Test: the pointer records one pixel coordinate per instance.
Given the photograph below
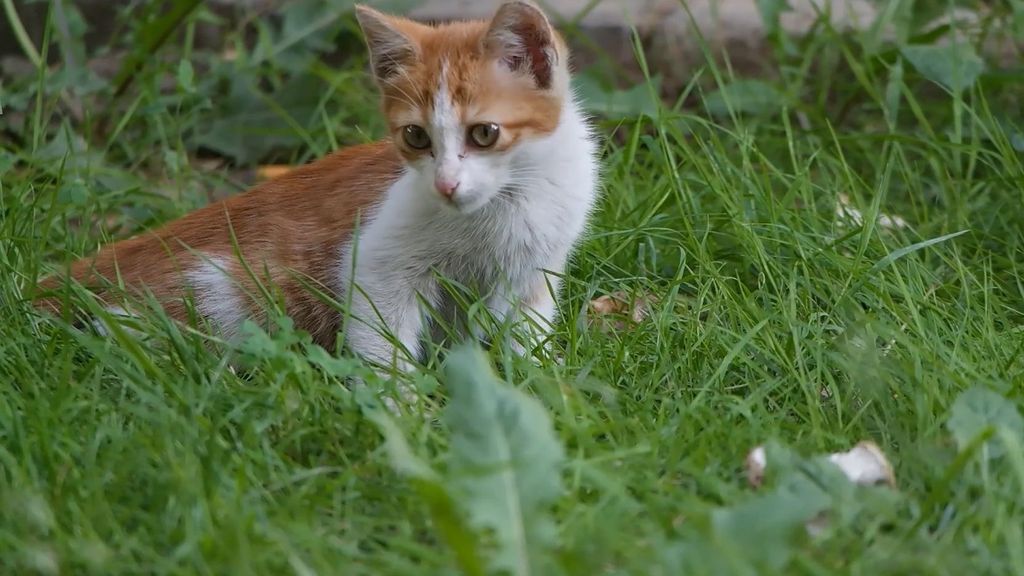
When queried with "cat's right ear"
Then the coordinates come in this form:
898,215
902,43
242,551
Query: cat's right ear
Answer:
390,48
522,39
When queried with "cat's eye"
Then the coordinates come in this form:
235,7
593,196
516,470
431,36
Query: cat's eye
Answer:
484,135
416,137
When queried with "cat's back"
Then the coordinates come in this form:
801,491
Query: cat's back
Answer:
320,197
291,221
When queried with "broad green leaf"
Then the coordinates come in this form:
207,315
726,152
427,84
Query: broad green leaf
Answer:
977,409
81,81
762,532
745,97
431,489
956,65
1017,141
74,192
68,150
7,161
505,462
308,27
337,366
150,37
617,104
246,126
186,76
771,11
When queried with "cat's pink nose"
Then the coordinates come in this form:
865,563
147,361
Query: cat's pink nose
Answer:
446,187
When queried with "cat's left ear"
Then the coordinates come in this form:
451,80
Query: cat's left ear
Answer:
522,40
390,46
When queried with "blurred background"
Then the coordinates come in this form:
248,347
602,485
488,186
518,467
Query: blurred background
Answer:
255,86
101,44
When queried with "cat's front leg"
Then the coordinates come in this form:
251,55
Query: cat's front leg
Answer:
537,312
386,324
531,313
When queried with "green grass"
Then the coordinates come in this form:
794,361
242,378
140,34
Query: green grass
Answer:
776,320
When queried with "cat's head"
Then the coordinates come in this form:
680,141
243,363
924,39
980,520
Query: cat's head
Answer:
461,99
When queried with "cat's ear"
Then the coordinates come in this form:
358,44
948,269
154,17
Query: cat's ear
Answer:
522,40
390,47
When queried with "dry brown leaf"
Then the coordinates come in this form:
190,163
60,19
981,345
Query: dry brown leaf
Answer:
756,463
864,464
207,164
608,304
271,171
846,212
617,310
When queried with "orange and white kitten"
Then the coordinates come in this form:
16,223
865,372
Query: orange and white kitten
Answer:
487,179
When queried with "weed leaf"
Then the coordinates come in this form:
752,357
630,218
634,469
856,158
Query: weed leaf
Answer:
761,531
745,97
977,409
956,66
250,124
505,462
616,104
186,77
771,12
150,37
432,491
308,27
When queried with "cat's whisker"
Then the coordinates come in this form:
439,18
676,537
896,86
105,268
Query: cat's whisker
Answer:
403,96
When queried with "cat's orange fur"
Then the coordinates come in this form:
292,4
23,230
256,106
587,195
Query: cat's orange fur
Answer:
293,225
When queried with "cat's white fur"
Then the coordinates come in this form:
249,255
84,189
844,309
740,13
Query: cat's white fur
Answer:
516,215
217,295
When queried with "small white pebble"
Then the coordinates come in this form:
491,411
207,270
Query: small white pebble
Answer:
756,462
865,464
846,211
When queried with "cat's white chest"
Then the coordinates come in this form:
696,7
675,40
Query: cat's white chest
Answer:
528,228
505,242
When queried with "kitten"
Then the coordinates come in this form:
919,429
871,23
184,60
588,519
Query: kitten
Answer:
487,179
